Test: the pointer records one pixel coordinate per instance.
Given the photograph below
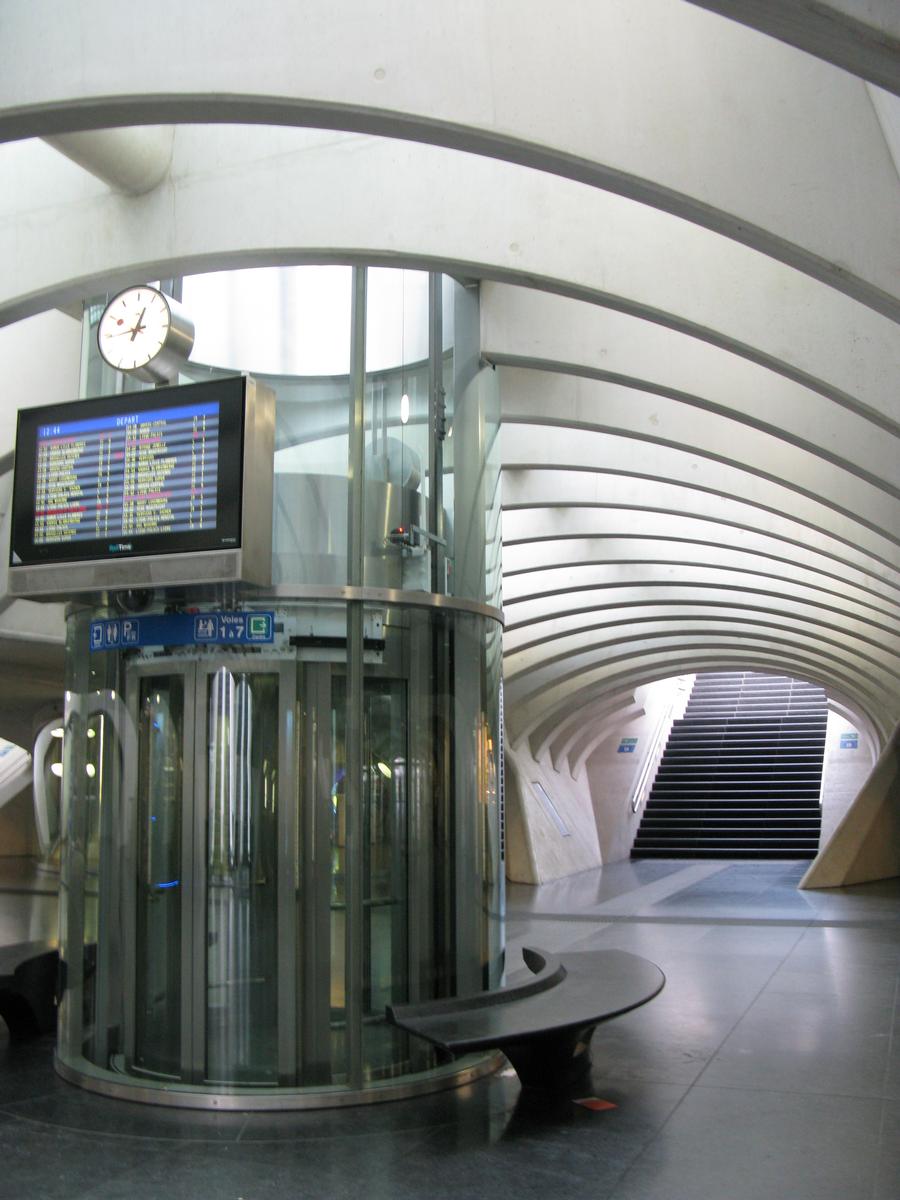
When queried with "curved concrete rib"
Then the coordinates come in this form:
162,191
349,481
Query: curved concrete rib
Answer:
130,160
524,76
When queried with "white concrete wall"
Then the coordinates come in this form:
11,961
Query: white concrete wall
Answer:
844,771
866,844
39,359
536,849
612,772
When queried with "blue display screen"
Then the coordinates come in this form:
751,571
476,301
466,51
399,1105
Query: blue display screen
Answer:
149,473
127,475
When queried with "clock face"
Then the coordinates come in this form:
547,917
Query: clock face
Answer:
134,328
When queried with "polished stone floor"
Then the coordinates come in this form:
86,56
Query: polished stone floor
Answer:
768,1069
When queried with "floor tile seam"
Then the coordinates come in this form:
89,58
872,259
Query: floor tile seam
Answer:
694,1083
869,1097
58,1127
747,1009
876,1174
645,1149
7,1106
887,1101
892,924
406,1133
895,1009
307,1140
642,1151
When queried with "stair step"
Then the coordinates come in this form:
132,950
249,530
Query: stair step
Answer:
684,768
784,702
752,843
734,852
703,751
708,731
752,724
777,788
741,773
674,806
726,821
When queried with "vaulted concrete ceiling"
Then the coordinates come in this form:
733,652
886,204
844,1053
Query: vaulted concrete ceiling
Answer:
688,236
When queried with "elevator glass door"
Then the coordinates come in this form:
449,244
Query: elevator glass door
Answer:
251,958
385,959
352,963
202,954
241,847
159,907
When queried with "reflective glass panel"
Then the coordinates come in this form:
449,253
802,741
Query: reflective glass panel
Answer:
385,961
157,1047
242,910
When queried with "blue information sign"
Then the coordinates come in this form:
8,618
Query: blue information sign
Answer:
627,746
184,629
850,741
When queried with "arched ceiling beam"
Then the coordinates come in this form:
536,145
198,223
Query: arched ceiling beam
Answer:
836,657
544,536
512,75
817,494
527,557
534,675
543,715
599,720
843,642
597,584
543,577
802,616
562,734
857,35
533,511
546,732
557,636
523,327
552,400
532,613
65,241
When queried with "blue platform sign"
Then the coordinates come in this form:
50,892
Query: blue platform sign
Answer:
850,740
627,746
184,629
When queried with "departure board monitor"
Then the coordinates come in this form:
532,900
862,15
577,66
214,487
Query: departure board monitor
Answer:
143,488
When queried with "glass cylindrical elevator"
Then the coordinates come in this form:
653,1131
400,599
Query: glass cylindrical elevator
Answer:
263,846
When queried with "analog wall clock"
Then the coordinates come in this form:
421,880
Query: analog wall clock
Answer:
146,333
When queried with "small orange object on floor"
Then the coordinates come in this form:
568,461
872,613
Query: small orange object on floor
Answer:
595,1104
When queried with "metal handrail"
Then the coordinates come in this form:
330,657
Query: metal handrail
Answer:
659,739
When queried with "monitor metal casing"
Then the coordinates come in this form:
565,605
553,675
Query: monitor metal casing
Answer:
250,562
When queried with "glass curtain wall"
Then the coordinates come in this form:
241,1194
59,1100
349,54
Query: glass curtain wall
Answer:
263,848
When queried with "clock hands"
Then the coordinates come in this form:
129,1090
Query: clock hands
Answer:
133,331
139,327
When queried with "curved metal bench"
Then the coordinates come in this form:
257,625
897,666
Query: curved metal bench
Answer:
544,1024
28,978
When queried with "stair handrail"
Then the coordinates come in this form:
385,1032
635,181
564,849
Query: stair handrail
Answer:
673,710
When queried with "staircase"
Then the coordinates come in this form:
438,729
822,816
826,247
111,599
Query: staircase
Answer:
741,772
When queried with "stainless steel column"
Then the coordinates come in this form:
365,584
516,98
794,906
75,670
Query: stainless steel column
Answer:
354,882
